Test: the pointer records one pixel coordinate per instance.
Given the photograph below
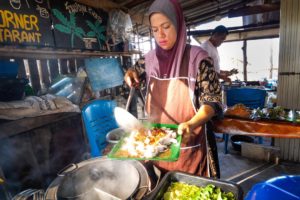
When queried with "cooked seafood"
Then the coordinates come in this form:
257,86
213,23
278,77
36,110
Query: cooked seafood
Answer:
238,110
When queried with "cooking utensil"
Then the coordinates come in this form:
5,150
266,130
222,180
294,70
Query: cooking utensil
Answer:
34,194
133,91
126,120
106,180
176,176
105,195
115,135
143,187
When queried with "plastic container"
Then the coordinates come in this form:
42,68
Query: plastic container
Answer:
8,69
69,87
12,89
174,176
282,187
251,97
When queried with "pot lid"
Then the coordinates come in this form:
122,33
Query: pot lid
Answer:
107,179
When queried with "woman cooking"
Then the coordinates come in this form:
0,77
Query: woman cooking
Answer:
183,89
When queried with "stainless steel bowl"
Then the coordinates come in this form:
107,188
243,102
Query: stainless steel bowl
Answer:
115,135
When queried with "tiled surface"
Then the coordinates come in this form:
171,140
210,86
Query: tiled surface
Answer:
248,172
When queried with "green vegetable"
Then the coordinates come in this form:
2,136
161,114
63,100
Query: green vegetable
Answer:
183,191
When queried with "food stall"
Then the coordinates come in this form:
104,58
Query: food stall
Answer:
56,46
263,128
284,130
43,84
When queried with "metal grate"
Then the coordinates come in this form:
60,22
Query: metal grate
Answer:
289,60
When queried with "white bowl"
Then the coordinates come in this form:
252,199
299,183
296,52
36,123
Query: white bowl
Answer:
115,135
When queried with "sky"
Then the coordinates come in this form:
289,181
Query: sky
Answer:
259,53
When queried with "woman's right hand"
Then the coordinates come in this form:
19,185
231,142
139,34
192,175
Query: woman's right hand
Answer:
184,128
132,78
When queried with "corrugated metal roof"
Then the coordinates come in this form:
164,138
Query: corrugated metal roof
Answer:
195,11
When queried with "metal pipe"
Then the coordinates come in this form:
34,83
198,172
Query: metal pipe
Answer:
7,195
245,60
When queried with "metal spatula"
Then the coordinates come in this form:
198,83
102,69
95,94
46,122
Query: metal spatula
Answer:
126,120
133,91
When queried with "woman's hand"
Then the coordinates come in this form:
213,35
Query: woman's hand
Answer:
132,78
205,113
184,128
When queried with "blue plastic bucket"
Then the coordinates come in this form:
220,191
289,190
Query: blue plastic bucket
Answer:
281,188
8,69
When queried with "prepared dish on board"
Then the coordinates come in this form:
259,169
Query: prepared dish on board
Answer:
238,110
155,143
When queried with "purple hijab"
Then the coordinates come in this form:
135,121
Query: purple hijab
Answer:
166,63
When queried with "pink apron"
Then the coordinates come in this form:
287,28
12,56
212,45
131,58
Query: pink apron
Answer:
168,101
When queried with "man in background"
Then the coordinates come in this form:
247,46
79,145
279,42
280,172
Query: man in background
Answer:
217,37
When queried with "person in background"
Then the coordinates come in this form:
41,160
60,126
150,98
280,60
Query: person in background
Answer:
139,66
218,36
182,88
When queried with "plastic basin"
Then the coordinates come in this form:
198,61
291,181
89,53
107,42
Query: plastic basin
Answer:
236,141
174,176
282,187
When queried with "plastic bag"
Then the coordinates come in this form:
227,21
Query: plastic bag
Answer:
120,26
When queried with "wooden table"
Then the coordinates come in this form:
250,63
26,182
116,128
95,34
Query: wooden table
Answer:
9,128
261,128
264,128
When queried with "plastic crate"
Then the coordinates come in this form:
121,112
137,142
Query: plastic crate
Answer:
12,89
282,187
175,176
8,69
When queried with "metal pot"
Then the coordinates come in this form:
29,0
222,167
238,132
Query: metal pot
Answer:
30,194
100,178
115,135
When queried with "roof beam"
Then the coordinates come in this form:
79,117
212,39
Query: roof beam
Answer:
194,20
103,4
240,35
251,10
126,2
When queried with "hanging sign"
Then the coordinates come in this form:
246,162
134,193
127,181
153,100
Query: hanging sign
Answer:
78,26
25,22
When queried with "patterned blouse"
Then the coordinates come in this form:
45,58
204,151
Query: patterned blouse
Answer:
208,91
208,88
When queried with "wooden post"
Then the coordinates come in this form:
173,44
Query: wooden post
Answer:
41,77
189,36
138,38
244,48
34,73
271,63
150,39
